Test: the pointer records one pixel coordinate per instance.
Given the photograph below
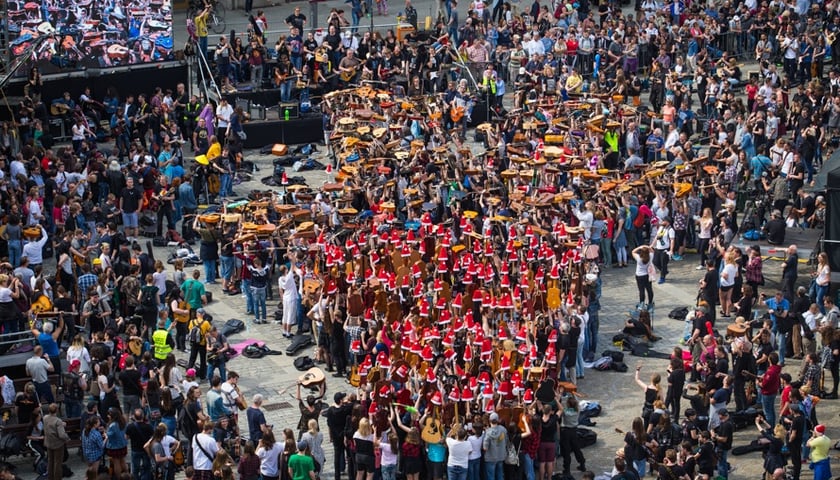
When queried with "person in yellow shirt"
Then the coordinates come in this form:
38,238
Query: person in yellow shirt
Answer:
819,445
200,21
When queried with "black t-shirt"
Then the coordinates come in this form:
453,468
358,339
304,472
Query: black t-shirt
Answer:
710,291
809,204
130,199
706,460
671,472
797,427
725,429
699,323
549,428
775,231
138,434
796,183
130,381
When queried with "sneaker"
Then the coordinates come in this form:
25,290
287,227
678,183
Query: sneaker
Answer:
677,258
277,322
699,267
661,281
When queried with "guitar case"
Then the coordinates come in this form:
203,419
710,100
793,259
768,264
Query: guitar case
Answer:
299,342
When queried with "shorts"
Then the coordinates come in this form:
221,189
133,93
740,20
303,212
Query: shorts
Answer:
547,452
116,452
129,220
227,267
203,475
726,289
366,463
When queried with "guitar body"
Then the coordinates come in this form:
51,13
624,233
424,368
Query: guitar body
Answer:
347,75
178,457
457,113
355,379
432,432
313,376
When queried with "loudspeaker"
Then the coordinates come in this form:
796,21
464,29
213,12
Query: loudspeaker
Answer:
257,111
292,108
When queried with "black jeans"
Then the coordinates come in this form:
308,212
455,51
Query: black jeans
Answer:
201,351
181,335
569,443
339,458
660,261
644,285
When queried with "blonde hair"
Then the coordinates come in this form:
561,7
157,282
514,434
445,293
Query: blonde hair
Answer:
313,426
364,427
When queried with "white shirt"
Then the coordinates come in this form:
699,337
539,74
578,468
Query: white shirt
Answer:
35,214
459,452
34,251
268,459
229,396
475,443
223,113
15,169
727,276
200,460
287,284
663,238
641,268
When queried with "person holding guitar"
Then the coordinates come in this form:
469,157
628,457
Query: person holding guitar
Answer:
348,67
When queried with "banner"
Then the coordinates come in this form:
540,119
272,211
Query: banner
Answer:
91,33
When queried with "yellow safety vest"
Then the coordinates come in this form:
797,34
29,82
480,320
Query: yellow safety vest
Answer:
162,349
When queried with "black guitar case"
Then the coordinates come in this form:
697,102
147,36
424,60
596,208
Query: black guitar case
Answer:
299,342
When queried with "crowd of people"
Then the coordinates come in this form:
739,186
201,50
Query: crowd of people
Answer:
457,291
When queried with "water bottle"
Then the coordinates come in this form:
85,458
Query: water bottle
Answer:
286,114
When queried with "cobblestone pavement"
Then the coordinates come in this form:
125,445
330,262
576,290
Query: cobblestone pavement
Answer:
619,396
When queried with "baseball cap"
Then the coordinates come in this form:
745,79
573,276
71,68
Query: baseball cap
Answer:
494,417
339,396
302,445
75,363
190,372
723,412
200,311
348,34
820,429
690,412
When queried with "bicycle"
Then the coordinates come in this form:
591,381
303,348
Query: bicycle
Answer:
216,19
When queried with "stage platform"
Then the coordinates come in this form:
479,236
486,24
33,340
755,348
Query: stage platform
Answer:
308,128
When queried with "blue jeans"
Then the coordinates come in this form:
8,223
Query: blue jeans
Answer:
494,470
474,469
222,372
455,472
579,363
781,348
768,405
527,464
141,466
723,465
73,408
249,297
15,250
210,270
285,91
258,302
225,186
641,467
822,291
389,472
227,267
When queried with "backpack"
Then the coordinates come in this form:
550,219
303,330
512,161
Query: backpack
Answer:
10,445
195,331
678,313
304,363
72,389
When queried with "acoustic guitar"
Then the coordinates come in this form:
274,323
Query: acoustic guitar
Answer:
432,431
311,377
348,73
355,379
457,113
58,109
178,457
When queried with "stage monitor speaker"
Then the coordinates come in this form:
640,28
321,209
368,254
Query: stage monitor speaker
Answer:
244,103
292,109
257,111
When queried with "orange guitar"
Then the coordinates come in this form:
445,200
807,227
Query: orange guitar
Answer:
457,113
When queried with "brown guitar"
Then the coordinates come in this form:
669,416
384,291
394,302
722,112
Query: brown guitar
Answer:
457,113
58,109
